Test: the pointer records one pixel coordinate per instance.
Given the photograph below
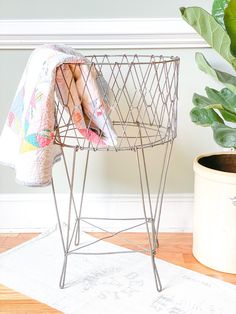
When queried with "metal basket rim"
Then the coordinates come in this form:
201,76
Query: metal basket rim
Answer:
166,59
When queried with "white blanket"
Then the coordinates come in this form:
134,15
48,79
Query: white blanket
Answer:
27,139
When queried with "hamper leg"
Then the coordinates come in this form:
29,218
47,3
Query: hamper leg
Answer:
67,237
77,233
151,234
162,182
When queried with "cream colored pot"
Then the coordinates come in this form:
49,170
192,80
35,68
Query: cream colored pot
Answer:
214,233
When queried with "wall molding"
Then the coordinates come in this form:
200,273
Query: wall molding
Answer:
36,213
100,33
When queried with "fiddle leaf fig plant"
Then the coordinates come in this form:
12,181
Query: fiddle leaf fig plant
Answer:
216,109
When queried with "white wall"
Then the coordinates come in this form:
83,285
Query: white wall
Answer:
116,173
77,9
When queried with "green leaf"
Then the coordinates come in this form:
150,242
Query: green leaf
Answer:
218,8
218,97
204,117
210,30
224,101
201,101
227,79
229,96
230,24
224,135
228,116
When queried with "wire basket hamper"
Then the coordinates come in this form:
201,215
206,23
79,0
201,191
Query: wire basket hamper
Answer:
142,93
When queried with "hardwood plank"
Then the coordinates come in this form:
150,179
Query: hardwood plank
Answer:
13,239
24,306
14,302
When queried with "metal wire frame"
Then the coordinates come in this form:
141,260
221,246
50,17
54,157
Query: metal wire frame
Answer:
152,125
141,92
151,214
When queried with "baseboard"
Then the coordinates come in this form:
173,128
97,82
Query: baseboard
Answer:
36,213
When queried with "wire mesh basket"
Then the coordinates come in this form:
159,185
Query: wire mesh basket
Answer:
115,103
139,100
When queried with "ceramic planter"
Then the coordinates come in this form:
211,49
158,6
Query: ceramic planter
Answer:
214,232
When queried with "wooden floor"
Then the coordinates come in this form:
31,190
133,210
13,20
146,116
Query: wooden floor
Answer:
174,248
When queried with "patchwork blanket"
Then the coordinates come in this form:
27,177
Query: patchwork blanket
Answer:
27,139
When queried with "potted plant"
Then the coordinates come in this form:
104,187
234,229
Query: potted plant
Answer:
214,232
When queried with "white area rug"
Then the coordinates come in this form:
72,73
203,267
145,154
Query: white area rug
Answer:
110,284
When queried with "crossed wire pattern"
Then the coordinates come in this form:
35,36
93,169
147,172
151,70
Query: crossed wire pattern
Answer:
140,97
141,93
